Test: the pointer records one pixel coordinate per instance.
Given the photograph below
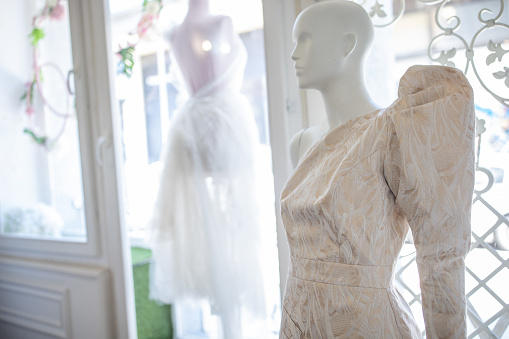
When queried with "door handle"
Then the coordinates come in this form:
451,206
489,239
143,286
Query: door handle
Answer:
101,141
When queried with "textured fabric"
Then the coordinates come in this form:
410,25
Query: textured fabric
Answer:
348,206
204,231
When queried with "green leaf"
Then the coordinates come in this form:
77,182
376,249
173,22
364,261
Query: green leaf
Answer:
24,96
41,140
32,87
127,63
36,35
146,2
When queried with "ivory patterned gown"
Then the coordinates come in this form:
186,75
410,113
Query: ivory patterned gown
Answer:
348,206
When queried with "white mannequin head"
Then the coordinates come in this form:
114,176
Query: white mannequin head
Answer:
332,40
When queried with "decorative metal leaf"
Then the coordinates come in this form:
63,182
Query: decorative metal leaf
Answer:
503,74
491,45
500,75
479,126
445,56
377,10
451,53
498,52
491,59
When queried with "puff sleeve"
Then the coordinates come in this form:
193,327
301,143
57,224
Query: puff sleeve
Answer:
429,167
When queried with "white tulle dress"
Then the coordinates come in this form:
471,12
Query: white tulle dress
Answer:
204,231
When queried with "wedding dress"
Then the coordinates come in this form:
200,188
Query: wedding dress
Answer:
348,206
204,232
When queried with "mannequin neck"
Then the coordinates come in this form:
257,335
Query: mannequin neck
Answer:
347,98
199,7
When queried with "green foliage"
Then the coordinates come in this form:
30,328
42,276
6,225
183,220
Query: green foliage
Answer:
127,63
146,2
41,140
24,96
36,35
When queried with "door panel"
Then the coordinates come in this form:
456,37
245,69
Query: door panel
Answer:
63,286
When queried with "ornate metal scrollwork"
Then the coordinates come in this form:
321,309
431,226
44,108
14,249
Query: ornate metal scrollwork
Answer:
378,12
497,51
377,9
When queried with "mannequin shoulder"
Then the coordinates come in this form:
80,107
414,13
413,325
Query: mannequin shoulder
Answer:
216,23
223,20
223,25
303,140
211,24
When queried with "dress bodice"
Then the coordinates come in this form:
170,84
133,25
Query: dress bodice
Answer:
206,50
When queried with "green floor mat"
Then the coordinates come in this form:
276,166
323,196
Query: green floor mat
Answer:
153,320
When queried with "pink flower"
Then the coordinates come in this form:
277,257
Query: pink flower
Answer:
58,12
30,110
39,21
145,24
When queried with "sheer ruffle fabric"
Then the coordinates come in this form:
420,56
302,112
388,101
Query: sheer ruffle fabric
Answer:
348,206
204,232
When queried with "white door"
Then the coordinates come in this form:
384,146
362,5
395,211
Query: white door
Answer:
64,260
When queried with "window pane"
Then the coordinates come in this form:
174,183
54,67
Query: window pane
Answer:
41,191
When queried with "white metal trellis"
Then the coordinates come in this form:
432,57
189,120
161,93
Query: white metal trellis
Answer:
497,324
485,58
496,48
381,18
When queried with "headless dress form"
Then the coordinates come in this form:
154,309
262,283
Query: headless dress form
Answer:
204,230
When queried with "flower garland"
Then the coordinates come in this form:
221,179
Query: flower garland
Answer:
52,11
146,24
55,11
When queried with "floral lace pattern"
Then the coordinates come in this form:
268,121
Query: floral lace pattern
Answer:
348,206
